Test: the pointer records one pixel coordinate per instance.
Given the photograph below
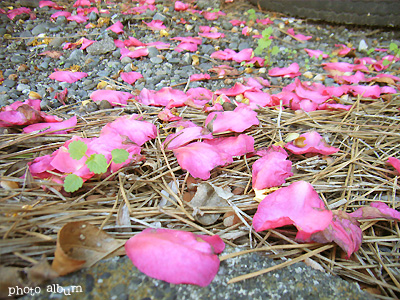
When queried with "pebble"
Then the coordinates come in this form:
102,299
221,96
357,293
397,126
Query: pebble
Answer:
23,88
38,29
156,60
153,51
102,47
8,83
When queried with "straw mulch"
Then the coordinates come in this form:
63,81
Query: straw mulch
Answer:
354,177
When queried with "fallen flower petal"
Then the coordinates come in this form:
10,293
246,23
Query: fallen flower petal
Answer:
67,76
155,25
186,135
130,77
117,27
297,204
196,77
175,256
395,162
138,52
271,169
316,53
70,123
376,210
291,71
180,6
113,97
310,142
167,116
234,145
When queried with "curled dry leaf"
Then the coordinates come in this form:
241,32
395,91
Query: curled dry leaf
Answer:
208,195
81,245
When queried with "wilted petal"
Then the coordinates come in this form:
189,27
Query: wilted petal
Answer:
297,204
70,123
260,99
291,71
186,46
310,142
237,89
237,120
271,169
344,230
175,256
155,25
137,131
180,6
376,210
371,91
130,77
117,27
199,159
186,135
67,76
167,116
113,97
243,55
395,162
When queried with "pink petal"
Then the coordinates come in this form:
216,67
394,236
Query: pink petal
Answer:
343,230
155,25
223,55
237,89
65,14
212,35
212,15
243,55
234,145
159,45
130,77
67,76
167,96
133,42
339,66
51,4
237,22
86,43
199,159
188,39
137,131
265,21
309,92
316,53
77,18
271,169
167,116
185,136
300,37
186,46
138,52
117,27
395,163
260,99
238,120
371,91
82,3
297,204
70,123
291,71
313,143
12,13
196,77
376,210
113,97
174,256
180,6
334,106
41,165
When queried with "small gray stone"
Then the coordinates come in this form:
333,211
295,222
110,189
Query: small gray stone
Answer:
244,45
38,29
57,42
23,87
226,25
76,55
126,60
156,60
4,99
207,49
93,16
44,104
128,68
104,104
18,59
61,20
159,17
102,47
153,51
3,31
187,58
8,83
103,73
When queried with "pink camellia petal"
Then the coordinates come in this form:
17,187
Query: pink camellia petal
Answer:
237,120
82,3
117,27
186,46
339,66
67,76
234,145
237,22
185,136
334,106
316,53
300,37
40,165
212,15
376,210
86,43
167,116
65,14
113,97
237,89
70,123
395,163
260,99
212,35
291,71
155,25
159,45
12,13
196,77
51,4
343,51
133,42
344,230
309,92
371,91
175,256
130,77
265,21
199,159
297,204
243,55
310,142
78,18
180,6
167,96
356,78
271,169
137,131
138,52
188,39
223,55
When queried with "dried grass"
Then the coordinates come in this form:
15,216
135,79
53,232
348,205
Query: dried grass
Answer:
354,177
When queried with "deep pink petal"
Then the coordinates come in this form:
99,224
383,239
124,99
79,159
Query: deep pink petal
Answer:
167,116
180,6
155,25
185,136
78,18
395,162
70,123
234,145
117,27
237,89
67,76
260,99
113,97
313,143
271,169
130,77
138,52
316,53
202,76
174,256
291,71
238,120
297,204
371,91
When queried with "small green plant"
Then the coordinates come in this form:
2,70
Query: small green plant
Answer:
264,45
252,14
396,51
97,163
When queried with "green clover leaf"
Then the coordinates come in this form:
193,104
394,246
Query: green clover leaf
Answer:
97,163
77,149
72,183
119,155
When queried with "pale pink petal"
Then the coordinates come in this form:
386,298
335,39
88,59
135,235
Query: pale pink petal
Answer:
265,21
180,6
223,55
86,43
113,97
167,116
344,50
212,15
271,169
237,120
78,18
313,143
237,22
309,92
117,27
376,210
174,256
212,35
137,131
339,66
291,71
159,45
234,145
155,25
300,37
202,76
316,53
130,77
188,39
67,76
138,52
167,96
186,136
344,230
297,204
70,123
237,89
395,163
82,3
356,78
260,99
371,91
256,82
41,165
243,55
133,42
199,159
186,46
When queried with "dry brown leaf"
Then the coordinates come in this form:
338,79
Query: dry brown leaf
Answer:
81,245
9,185
52,54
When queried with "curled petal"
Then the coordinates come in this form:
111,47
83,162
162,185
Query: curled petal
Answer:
376,210
395,162
70,123
310,142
